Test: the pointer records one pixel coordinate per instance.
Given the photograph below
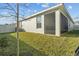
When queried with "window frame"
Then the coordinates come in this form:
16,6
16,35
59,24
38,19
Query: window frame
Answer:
39,22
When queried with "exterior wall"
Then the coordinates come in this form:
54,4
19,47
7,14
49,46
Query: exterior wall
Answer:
30,25
7,28
57,23
76,26
70,25
49,23
70,21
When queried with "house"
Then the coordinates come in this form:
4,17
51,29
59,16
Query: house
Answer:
54,20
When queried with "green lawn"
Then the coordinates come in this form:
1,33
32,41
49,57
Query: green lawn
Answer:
38,44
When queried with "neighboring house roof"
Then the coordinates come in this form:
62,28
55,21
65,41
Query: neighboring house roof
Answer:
59,6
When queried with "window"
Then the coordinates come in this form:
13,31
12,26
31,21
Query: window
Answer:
38,22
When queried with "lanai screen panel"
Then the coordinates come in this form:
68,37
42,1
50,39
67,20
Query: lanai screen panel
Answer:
49,21
64,23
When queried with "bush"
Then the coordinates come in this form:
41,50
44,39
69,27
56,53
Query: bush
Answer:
3,42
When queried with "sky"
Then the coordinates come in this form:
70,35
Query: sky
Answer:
32,8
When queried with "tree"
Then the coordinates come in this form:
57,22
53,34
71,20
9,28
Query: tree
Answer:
17,29
14,13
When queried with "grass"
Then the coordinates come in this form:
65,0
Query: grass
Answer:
11,48
37,44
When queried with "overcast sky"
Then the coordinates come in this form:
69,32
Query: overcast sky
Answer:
32,8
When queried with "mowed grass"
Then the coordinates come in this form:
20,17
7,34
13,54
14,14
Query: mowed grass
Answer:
11,49
34,44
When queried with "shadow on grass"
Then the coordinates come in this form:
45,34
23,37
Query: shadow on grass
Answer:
74,33
77,51
10,49
25,49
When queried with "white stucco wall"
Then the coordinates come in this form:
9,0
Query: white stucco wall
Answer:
30,25
57,23
76,26
67,15
7,28
70,25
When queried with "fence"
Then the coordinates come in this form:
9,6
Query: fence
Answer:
7,28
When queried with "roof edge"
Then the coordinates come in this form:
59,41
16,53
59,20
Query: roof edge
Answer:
68,14
42,11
